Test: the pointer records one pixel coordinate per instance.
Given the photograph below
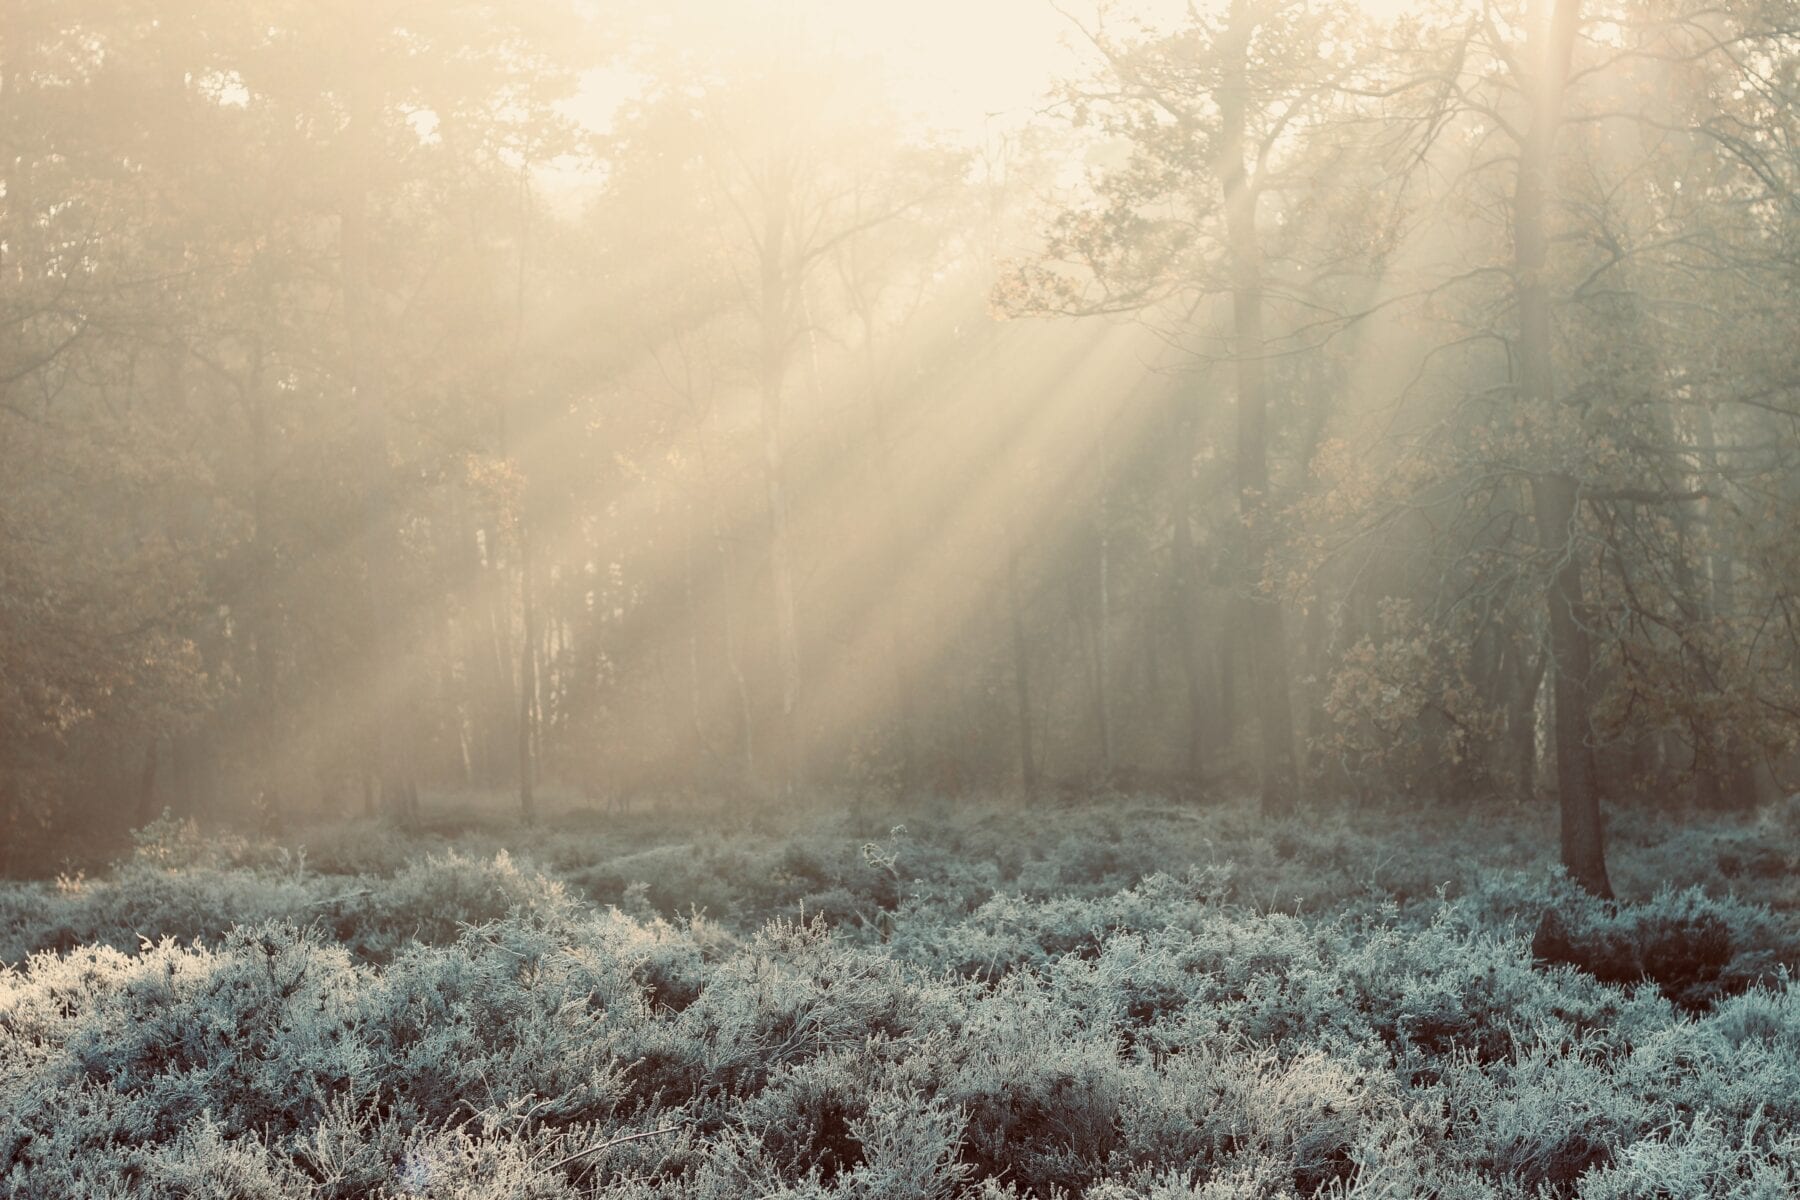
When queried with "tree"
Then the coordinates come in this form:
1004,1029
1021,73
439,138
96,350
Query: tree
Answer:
798,163
1543,76
1210,120
1614,259
408,92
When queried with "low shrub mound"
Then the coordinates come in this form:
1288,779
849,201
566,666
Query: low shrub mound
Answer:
1694,949
1156,1020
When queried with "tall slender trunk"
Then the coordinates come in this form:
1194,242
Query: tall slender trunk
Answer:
446,729
1092,635
1315,639
1315,629
1555,495
734,659
1696,602
1227,658
1015,607
781,580
146,796
528,678
9,821
1186,577
479,673
776,321
501,699
263,606
690,605
381,542
734,663
528,648
1735,785
1097,656
542,697
1268,636
16,214
898,630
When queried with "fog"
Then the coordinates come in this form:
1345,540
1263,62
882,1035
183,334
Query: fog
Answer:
745,401
1137,599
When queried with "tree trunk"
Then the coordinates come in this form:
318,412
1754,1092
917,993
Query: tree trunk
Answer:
1695,600
777,307
1315,638
16,216
899,639
690,605
1015,605
734,665
1268,636
381,542
1102,620
1093,637
1227,656
9,822
528,648
734,660
1735,779
146,796
528,679
263,607
1555,496
1316,632
471,576
500,729
1526,674
1186,574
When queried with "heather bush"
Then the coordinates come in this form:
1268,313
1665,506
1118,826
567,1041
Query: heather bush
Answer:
869,1012
143,902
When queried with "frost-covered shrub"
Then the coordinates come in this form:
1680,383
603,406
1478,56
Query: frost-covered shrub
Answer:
177,843
1301,1121
909,1143
793,994
1694,947
203,1163
433,900
365,848
142,903
430,901
1543,1120
805,1120
1225,1009
1043,1108
251,1039
1703,1157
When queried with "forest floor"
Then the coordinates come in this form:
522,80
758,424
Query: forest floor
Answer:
1116,998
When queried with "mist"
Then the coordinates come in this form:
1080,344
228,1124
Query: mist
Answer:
946,494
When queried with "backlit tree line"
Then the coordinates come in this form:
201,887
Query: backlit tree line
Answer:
1307,402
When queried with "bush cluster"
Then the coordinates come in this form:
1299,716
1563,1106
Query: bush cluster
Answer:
1085,1017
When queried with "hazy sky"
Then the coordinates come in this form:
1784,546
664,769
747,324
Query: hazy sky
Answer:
959,60
965,66
954,61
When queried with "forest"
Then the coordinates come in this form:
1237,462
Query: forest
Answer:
1136,599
